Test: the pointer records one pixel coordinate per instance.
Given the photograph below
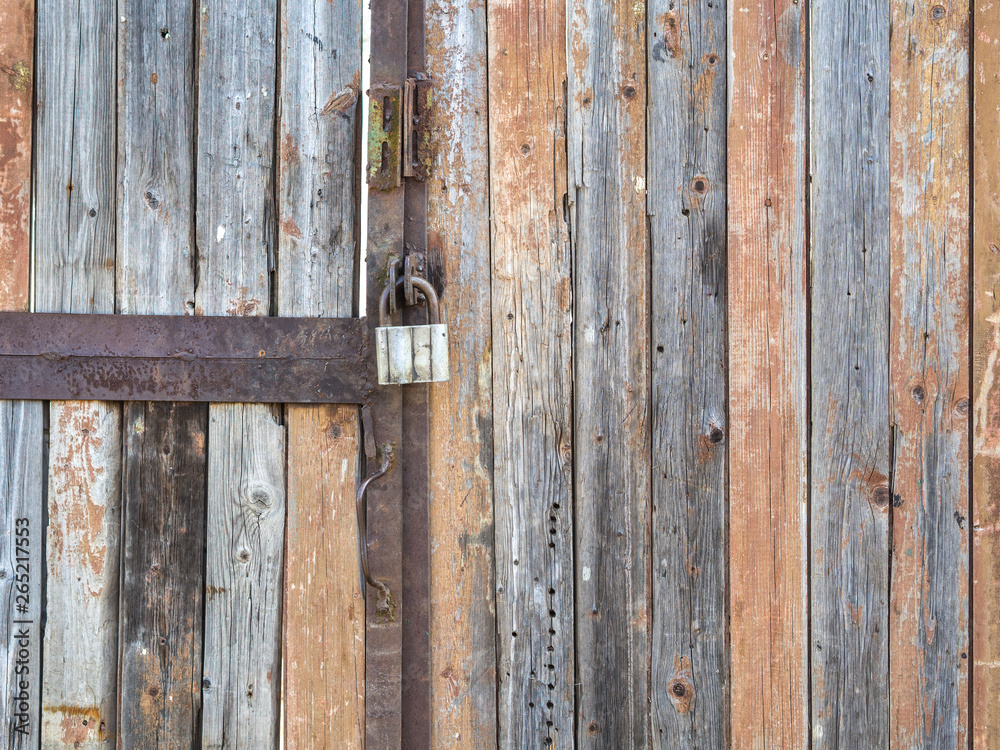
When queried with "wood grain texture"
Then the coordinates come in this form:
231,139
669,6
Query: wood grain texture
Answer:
75,197
163,564
460,444
17,21
236,240
243,585
156,120
929,366
80,688
612,503
164,466
532,304
21,531
324,622
22,561
324,642
767,386
851,439
687,220
985,79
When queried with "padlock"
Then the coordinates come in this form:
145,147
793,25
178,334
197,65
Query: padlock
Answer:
411,354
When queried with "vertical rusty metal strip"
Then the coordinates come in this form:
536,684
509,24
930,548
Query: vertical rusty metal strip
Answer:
384,632
416,551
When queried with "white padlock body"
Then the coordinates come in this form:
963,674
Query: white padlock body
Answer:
412,354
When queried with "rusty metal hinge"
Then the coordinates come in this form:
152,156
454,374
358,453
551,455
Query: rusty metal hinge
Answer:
399,132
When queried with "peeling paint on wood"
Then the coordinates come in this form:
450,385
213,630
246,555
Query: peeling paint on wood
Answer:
985,526
767,365
75,272
460,445
929,366
686,202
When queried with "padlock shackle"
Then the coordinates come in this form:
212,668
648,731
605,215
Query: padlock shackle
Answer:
424,286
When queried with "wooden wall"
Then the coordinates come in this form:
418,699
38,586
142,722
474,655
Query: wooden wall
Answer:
720,279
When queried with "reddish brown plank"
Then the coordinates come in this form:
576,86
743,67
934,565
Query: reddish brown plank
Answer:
986,366
767,385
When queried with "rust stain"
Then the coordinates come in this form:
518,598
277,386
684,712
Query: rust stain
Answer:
290,153
289,227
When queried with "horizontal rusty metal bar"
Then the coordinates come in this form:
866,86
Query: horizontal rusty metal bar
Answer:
181,358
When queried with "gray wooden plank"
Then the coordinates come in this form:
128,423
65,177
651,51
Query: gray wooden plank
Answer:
687,207
74,271
21,570
460,446
532,303
851,438
164,464
612,502
236,237
323,657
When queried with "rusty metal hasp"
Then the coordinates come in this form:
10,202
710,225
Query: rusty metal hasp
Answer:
181,358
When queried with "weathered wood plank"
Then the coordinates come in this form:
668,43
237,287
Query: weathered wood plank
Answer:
17,21
324,644
75,272
928,350
612,504
687,207
767,386
985,352
164,466
532,309
22,559
163,554
324,622
851,439
244,535
21,532
462,590
246,490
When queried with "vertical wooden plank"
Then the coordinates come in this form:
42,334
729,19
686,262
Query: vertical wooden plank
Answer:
324,654
986,349
163,492
244,536
17,19
324,615
929,339
163,554
612,504
235,231
21,533
687,208
851,439
767,387
75,272
22,558
462,613
532,310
